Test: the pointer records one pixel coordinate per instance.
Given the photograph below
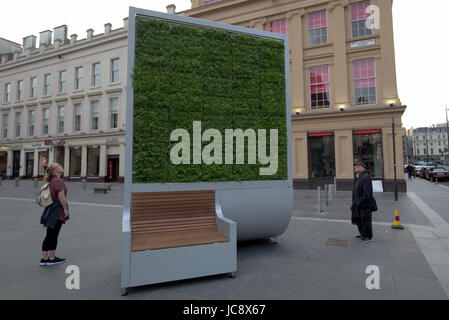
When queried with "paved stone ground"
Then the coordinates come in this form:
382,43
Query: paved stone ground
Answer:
299,266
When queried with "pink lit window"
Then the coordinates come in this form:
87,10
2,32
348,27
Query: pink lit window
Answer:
365,82
359,16
317,28
278,26
319,87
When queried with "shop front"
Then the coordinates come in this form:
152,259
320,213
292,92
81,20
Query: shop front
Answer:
3,163
16,164
368,149
75,162
113,168
29,164
93,163
42,162
327,145
321,158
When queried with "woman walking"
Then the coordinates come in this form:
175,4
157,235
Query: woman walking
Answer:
58,192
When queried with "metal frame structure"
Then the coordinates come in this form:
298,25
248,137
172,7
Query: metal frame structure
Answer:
260,209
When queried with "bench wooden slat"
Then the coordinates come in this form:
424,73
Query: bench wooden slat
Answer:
141,243
161,220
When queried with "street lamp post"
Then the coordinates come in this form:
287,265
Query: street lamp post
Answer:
427,148
447,130
396,198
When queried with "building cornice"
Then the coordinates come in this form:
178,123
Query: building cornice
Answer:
267,11
349,112
15,141
53,53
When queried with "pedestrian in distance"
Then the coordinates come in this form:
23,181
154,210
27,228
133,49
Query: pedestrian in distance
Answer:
55,215
44,165
363,202
410,170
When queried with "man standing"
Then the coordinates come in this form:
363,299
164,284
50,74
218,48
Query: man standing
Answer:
363,203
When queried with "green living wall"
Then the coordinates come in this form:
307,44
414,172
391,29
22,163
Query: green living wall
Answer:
227,81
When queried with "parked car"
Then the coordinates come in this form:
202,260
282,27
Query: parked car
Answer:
438,173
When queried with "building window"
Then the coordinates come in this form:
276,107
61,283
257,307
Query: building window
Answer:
5,126
368,149
317,28
47,84
31,119
115,70
365,82
7,93
79,78
62,81
61,111
359,16
33,87
45,118
75,162
113,113
19,90
93,161
319,87
279,26
94,115
322,155
77,117
18,120
96,74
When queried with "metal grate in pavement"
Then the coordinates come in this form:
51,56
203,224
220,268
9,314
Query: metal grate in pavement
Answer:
337,243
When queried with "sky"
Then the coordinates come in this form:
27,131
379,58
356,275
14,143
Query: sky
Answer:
421,42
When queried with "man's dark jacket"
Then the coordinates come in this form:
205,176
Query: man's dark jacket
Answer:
362,196
50,216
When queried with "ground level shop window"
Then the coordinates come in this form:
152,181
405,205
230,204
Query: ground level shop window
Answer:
321,155
93,161
368,149
75,162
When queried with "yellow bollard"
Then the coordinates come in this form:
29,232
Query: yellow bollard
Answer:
397,221
436,180
431,179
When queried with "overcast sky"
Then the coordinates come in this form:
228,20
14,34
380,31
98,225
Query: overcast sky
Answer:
421,42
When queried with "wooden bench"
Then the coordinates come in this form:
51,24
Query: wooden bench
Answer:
102,187
161,220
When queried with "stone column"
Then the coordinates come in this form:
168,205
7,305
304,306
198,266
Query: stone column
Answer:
103,161
344,154
390,89
196,3
22,163
122,160
258,24
51,155
300,158
295,32
340,78
9,165
36,164
83,162
66,161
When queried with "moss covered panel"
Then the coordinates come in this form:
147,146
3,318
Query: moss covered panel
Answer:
184,74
